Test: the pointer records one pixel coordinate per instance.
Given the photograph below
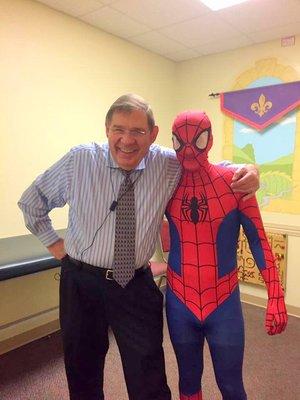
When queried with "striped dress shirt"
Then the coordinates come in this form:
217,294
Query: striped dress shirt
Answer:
88,180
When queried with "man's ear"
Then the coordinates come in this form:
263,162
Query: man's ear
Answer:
154,133
106,130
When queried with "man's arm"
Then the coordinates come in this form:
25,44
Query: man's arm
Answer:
48,191
276,314
245,178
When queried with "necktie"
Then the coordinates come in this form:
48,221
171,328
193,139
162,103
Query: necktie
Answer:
124,251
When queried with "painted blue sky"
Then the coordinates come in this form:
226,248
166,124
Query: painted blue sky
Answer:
274,142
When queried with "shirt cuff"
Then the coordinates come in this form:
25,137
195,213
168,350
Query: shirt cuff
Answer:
48,238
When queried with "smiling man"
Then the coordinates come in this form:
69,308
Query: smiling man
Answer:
130,135
95,180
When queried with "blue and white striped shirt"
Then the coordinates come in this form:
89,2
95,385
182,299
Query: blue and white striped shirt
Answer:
88,180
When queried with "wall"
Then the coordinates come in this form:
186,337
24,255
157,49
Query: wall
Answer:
196,79
58,76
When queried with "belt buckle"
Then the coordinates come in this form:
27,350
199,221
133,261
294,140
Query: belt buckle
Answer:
109,275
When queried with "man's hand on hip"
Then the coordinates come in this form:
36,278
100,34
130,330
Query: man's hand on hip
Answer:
57,249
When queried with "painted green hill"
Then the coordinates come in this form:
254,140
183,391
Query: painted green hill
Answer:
283,164
244,155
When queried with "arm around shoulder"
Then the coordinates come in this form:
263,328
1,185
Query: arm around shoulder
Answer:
246,180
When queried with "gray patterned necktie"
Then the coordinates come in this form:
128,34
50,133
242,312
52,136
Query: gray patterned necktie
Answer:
124,251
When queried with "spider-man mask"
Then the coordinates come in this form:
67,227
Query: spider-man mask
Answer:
192,139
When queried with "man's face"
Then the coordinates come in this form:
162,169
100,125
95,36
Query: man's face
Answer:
129,138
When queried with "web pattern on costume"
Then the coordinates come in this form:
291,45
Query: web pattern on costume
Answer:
205,217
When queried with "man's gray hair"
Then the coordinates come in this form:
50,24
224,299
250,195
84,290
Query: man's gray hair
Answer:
128,103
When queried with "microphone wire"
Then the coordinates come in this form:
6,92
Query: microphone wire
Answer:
112,208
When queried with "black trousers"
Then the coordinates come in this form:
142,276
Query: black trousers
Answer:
89,304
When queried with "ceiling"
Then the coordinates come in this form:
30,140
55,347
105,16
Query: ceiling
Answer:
185,29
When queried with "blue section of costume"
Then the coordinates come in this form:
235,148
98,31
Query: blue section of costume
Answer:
174,259
254,241
224,332
227,238
187,339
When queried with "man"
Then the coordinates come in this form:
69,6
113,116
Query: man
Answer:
90,179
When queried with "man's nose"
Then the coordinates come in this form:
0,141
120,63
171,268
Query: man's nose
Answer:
128,138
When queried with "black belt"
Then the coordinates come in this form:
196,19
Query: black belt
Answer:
105,272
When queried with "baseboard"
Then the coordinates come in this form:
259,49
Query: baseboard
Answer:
260,302
281,228
28,336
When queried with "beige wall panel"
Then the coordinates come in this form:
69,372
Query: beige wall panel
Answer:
28,296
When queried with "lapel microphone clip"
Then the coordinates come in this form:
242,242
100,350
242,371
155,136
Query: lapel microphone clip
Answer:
113,205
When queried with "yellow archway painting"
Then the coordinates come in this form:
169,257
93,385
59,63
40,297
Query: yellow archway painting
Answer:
276,150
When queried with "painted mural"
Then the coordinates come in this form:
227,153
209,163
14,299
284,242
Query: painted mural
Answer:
276,149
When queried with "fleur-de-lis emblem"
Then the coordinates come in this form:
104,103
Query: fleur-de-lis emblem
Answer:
262,106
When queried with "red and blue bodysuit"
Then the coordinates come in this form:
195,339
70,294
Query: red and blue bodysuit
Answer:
203,301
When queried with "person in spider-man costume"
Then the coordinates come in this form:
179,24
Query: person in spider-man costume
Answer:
202,299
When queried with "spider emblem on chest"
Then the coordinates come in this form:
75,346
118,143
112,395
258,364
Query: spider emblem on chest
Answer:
194,209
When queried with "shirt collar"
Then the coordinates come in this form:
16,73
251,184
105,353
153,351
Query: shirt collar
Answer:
110,163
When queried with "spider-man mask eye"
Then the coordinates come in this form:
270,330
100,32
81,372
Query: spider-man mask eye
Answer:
202,139
177,143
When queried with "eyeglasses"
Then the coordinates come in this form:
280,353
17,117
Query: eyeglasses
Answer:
131,132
